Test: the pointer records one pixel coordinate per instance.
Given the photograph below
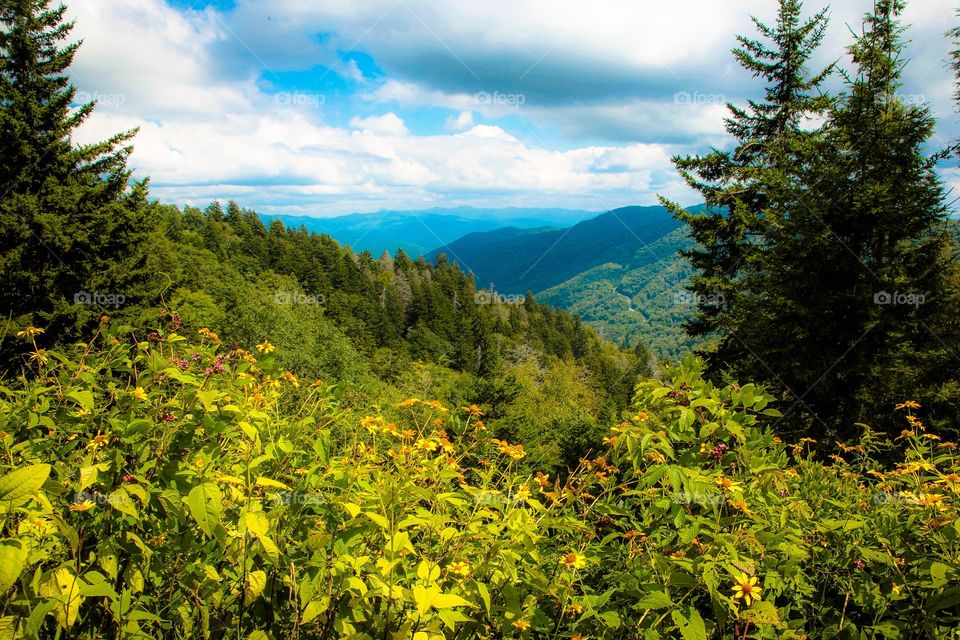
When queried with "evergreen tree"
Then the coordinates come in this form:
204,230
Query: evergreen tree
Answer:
860,268
850,273
68,222
731,181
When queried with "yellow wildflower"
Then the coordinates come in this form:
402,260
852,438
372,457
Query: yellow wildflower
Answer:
522,625
29,332
98,441
460,568
206,333
573,560
427,445
746,588
909,404
657,457
140,394
523,494
473,410
265,347
727,484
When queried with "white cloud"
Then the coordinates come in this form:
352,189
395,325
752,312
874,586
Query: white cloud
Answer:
389,124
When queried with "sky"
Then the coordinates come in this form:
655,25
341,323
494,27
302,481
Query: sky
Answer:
327,107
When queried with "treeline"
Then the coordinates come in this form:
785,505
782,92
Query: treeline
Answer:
411,308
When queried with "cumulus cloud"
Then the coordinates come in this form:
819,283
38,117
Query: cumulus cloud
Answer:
389,124
526,102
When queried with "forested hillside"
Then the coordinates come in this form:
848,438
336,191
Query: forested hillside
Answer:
517,261
644,300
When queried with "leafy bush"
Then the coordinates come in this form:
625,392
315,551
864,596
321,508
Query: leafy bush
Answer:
169,487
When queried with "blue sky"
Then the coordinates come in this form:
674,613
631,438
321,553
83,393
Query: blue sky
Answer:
329,107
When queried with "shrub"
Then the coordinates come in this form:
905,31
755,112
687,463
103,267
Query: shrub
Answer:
166,487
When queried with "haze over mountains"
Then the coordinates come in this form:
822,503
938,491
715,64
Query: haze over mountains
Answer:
419,232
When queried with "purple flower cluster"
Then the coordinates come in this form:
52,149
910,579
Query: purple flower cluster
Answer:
718,450
217,366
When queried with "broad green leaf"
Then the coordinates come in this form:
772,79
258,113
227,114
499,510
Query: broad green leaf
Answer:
83,397
256,523
206,506
123,502
63,587
762,612
88,475
8,628
271,484
269,548
256,583
655,600
379,519
13,558
428,571
23,483
692,629
432,597
313,609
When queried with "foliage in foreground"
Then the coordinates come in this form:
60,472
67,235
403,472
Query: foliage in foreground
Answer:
159,489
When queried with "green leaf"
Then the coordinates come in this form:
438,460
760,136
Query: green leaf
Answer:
269,548
84,398
88,475
655,600
23,483
206,505
610,619
63,587
123,502
484,595
256,523
428,571
13,558
256,583
312,610
763,612
692,629
379,519
938,572
271,484
431,597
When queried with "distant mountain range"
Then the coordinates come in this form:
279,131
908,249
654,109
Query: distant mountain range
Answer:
517,260
417,232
